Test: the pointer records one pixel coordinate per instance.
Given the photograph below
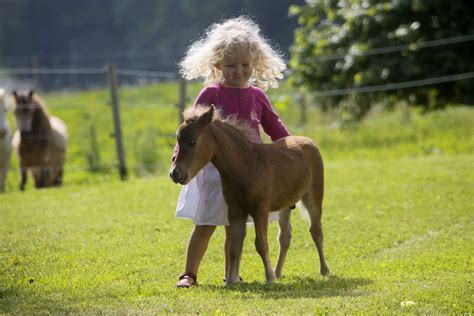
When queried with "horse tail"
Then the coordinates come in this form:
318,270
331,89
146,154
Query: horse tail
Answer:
316,165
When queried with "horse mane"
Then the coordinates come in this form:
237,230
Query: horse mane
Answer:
192,114
39,101
241,125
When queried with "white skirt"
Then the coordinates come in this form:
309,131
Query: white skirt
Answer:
202,201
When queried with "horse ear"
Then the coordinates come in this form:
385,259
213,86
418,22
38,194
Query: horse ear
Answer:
206,118
30,94
15,94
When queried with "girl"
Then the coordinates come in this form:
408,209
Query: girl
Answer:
237,63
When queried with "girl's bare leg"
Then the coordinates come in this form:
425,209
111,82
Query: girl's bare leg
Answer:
197,247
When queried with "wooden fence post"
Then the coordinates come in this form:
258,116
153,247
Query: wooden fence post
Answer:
303,108
111,78
182,98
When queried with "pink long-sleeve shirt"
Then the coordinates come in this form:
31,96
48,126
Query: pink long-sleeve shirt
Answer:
250,104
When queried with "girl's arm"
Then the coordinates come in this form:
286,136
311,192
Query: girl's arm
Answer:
271,123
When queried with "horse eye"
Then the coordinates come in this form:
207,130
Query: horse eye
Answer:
192,142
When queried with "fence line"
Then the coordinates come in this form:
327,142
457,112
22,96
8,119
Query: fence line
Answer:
63,106
399,48
111,74
151,54
394,86
319,94
146,73
87,71
114,102
52,71
182,92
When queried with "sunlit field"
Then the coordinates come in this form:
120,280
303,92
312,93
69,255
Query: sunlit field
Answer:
398,219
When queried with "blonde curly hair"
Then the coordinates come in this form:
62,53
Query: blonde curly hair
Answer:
219,40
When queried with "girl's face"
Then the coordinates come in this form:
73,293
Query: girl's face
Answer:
236,68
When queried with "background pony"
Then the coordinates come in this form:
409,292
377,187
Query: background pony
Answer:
40,141
5,141
256,179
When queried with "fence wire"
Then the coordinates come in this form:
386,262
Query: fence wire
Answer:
317,94
173,76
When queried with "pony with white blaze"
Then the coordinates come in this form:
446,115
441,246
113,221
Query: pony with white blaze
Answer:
5,141
40,141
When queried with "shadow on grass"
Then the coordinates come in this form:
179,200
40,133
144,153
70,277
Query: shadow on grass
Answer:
15,301
300,287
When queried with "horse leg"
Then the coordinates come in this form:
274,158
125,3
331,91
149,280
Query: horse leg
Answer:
313,203
37,177
45,177
58,180
40,175
57,169
23,177
284,237
261,244
3,177
237,236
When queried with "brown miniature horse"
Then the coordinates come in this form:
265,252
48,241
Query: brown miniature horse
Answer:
256,179
40,142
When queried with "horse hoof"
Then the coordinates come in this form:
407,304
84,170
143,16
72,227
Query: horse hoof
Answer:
271,278
270,282
325,271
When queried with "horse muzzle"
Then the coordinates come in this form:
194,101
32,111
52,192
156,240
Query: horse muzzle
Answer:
25,134
178,175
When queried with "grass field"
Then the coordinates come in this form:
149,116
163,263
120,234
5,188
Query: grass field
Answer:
398,224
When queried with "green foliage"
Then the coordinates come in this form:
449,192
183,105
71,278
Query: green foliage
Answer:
334,36
146,151
90,146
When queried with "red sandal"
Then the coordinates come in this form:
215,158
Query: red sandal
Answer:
185,278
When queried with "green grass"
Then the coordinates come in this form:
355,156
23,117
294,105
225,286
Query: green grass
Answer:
398,221
150,117
395,231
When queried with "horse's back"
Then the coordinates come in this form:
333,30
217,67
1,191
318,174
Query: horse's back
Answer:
306,154
298,144
59,133
288,165
295,142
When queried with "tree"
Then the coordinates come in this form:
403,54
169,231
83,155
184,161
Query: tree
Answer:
343,44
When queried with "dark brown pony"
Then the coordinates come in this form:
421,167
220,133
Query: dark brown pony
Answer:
40,142
256,179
